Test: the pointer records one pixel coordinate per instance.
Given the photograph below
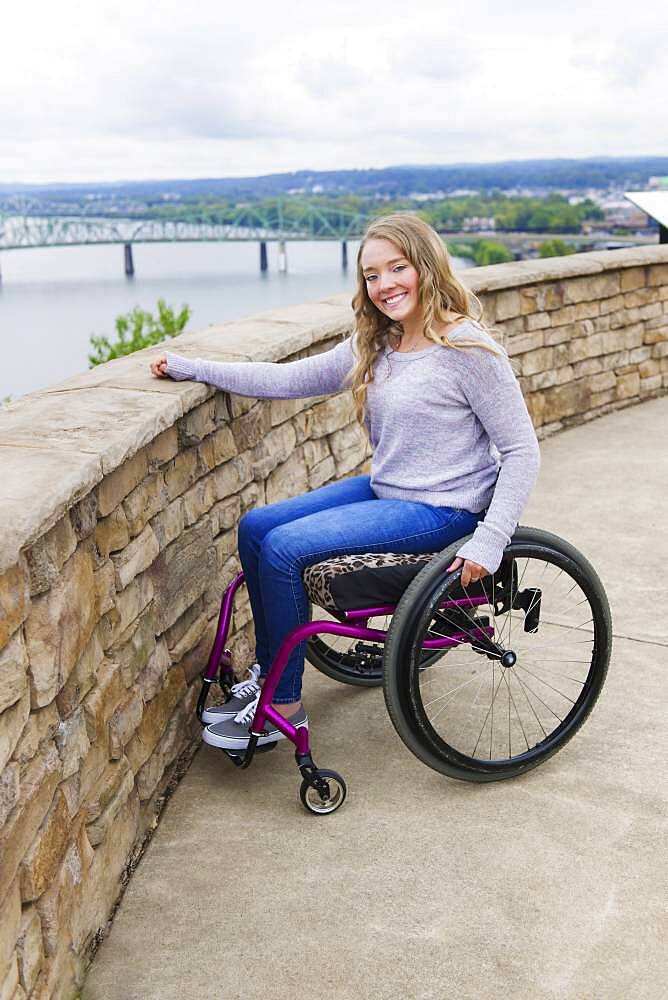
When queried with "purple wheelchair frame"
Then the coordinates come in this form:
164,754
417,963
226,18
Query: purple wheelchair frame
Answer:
352,624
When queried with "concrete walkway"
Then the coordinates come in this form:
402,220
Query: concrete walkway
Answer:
549,887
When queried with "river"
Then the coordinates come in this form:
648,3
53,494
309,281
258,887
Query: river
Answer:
53,298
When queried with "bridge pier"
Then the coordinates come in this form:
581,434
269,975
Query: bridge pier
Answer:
129,263
263,256
344,255
282,257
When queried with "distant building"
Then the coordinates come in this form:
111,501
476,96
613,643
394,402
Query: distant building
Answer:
479,223
426,195
626,216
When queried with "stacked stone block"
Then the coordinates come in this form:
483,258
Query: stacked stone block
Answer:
106,624
108,605
584,345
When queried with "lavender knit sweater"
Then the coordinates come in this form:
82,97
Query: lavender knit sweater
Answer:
448,427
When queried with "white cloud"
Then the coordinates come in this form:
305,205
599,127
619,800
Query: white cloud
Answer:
91,91
625,61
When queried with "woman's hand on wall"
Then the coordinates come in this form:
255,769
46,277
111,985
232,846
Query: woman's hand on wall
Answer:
471,572
159,367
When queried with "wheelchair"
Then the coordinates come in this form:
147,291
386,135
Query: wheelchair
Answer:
481,683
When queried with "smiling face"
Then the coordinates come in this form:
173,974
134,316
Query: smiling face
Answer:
392,283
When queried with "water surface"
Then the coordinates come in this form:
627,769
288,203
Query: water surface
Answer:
53,298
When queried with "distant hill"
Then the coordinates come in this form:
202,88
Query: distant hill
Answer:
394,182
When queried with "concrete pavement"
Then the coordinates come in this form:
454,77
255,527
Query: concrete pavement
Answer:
549,887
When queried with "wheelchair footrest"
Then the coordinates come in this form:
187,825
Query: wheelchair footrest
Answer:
240,758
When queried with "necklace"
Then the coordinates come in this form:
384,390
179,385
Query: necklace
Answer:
415,347
394,350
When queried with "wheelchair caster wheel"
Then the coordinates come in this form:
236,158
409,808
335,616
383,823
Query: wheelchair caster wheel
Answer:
323,793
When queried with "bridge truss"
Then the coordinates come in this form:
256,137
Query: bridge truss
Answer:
279,222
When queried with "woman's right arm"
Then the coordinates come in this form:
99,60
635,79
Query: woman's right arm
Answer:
318,375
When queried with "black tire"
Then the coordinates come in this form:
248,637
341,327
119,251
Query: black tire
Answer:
321,807
449,746
353,661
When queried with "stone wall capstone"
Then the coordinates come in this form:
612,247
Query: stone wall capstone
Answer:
119,501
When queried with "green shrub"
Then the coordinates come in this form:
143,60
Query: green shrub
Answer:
137,329
482,251
491,252
555,248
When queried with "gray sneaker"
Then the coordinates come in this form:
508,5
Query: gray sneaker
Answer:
234,734
243,694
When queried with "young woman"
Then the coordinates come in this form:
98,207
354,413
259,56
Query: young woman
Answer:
454,450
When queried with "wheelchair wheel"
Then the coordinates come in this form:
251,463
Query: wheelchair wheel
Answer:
498,706
355,661
335,794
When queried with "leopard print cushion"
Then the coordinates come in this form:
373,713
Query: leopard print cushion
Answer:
331,584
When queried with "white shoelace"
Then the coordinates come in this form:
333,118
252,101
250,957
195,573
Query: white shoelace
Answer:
249,685
247,714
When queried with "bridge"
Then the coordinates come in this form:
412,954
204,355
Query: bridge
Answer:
278,221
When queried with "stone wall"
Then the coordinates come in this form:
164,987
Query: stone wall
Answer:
587,333
119,500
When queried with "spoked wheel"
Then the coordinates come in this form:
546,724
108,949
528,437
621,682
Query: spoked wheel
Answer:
325,797
354,661
505,699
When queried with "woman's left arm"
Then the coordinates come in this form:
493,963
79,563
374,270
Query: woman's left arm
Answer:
495,397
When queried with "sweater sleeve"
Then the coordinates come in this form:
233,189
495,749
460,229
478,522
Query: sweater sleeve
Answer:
495,397
320,374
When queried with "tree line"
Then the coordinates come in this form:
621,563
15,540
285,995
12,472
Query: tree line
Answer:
551,214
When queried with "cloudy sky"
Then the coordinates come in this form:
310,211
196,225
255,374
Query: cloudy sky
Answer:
102,91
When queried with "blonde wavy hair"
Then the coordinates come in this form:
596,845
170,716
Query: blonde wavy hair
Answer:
439,292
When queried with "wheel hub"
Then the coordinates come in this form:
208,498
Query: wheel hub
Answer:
509,659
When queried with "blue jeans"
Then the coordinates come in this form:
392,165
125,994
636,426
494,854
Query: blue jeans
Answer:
278,541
